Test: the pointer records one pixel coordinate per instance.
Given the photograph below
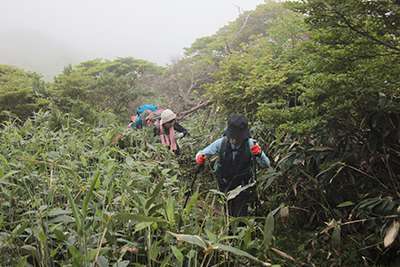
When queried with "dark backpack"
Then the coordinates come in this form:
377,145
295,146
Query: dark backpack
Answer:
224,143
240,178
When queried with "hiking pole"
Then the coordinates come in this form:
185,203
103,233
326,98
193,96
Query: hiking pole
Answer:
255,180
191,186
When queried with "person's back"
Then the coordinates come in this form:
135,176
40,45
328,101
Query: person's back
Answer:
142,113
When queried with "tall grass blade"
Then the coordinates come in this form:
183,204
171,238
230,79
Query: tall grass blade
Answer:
139,199
170,209
140,218
89,194
238,252
22,261
336,238
268,229
155,193
178,255
75,211
76,255
192,239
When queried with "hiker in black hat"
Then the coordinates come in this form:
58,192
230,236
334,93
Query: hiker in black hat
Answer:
234,168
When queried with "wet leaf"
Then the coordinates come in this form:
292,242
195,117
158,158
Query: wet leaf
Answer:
268,229
155,193
235,192
75,211
238,252
102,262
391,234
140,218
76,255
285,216
121,264
321,149
192,239
31,250
42,237
336,238
170,209
282,254
95,183
345,204
166,260
22,261
178,255
59,212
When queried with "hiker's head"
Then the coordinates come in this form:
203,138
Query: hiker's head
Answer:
238,128
145,114
168,118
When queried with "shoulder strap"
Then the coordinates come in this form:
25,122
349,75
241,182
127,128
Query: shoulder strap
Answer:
248,150
223,146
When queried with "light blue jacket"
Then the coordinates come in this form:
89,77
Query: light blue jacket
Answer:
215,147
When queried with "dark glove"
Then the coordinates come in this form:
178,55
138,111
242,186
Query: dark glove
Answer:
256,150
201,159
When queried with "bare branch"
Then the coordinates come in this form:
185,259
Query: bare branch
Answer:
205,117
187,112
228,47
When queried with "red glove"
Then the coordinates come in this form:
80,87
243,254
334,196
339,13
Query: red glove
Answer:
256,150
201,159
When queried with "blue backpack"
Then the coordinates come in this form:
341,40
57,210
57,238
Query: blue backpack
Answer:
138,121
144,107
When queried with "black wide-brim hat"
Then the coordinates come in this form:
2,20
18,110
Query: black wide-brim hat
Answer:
238,127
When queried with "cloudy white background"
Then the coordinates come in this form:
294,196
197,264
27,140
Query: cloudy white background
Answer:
153,30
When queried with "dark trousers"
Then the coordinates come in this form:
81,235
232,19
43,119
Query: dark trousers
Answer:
237,207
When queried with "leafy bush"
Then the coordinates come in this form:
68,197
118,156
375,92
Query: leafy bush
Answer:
20,92
82,195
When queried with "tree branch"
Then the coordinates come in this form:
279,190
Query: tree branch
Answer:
228,47
365,34
187,112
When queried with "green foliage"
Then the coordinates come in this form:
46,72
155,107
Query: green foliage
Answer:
76,197
336,151
97,86
119,67
248,79
265,70
326,112
249,25
19,92
350,59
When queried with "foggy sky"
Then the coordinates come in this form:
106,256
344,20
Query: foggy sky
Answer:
151,30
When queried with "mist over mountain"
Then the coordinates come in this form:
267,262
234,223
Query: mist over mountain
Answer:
34,51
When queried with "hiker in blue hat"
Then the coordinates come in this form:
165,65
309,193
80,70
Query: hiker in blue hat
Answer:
234,169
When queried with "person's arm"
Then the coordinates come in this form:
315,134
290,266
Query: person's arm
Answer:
263,160
212,149
180,128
